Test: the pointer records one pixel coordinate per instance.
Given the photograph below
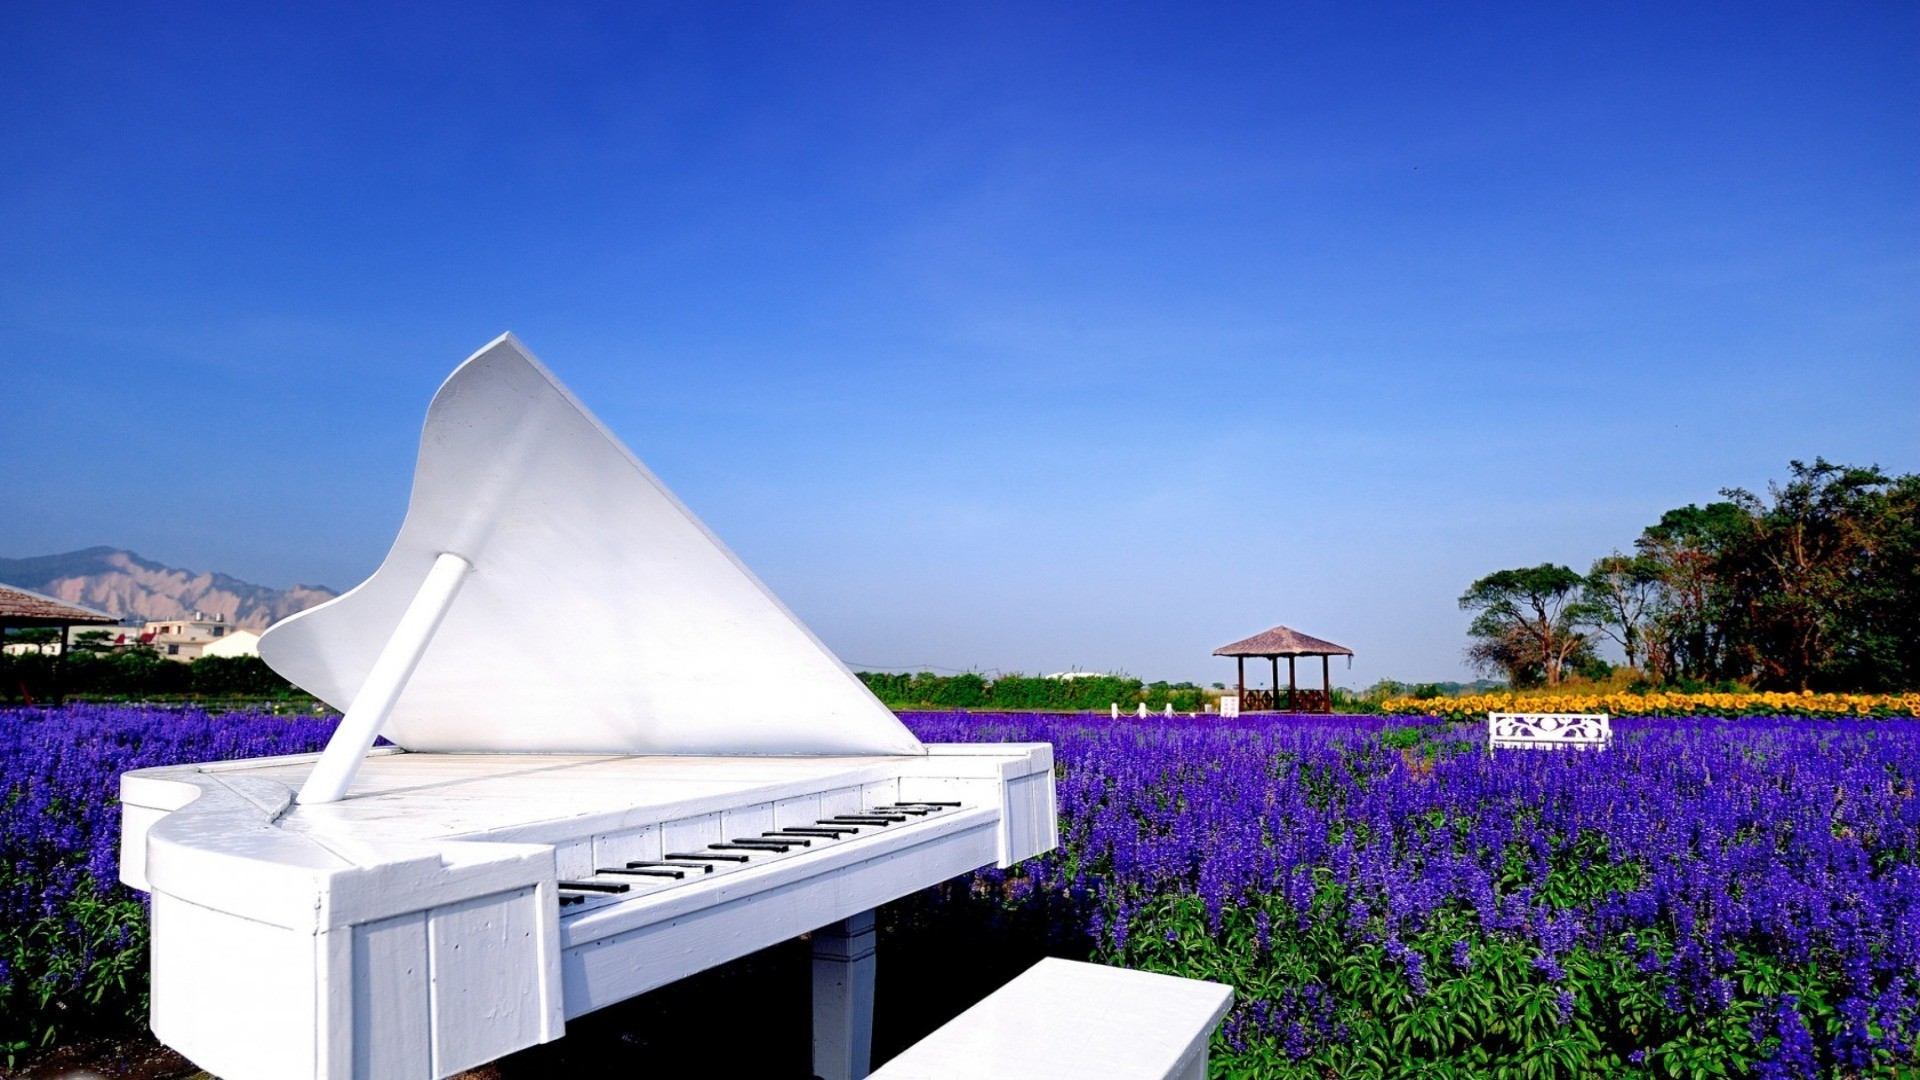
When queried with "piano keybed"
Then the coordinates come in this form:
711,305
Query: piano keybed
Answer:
645,877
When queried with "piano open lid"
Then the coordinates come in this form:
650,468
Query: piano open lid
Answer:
600,616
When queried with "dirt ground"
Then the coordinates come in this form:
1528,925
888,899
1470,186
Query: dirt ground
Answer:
138,1059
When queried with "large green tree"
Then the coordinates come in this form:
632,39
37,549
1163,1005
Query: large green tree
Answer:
1813,585
1529,624
1623,594
1820,584
1686,551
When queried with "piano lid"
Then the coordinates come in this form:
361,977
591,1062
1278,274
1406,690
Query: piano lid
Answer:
600,617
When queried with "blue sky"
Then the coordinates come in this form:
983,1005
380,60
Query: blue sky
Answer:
1014,337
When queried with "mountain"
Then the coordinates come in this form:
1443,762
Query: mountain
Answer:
124,584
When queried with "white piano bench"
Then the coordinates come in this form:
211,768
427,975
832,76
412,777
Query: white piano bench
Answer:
1072,1021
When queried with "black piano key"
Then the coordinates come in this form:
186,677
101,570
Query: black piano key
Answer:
596,886
846,824
817,833
925,802
754,848
784,843
641,871
914,811
681,865
864,819
705,856
566,899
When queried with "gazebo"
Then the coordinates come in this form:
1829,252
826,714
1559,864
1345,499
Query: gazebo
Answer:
1292,644
20,609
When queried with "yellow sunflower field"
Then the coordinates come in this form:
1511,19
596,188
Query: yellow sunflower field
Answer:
1746,703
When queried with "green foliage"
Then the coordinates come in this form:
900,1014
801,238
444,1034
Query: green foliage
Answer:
1386,689
1814,585
1481,1004
1027,693
1529,623
235,676
78,971
1619,594
1822,590
136,674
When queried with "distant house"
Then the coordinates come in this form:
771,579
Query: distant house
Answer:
185,639
236,643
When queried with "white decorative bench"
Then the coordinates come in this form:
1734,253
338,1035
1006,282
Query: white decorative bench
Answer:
1072,1021
1548,731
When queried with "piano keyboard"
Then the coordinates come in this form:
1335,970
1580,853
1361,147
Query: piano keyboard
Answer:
646,877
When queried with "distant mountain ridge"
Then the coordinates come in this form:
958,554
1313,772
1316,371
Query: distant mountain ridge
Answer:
125,585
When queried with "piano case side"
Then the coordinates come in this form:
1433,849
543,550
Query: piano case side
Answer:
1018,777
274,956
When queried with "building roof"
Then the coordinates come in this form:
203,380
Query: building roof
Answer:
1282,641
19,607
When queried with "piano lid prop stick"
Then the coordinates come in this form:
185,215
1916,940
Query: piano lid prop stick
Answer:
368,714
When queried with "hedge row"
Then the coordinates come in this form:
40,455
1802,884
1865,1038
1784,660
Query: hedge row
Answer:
1029,692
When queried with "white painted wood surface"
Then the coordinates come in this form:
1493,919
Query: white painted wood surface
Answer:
381,690
601,615
1071,1021
412,929
843,981
1548,731
1230,705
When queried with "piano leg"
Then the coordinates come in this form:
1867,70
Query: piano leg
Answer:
843,998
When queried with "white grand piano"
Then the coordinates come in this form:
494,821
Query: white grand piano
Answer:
617,760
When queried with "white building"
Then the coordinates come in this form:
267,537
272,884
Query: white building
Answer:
184,639
235,643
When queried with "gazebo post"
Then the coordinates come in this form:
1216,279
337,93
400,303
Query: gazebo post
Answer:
1290,683
1326,680
1243,678
59,694
1276,682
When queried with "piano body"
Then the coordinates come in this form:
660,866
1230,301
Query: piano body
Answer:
616,760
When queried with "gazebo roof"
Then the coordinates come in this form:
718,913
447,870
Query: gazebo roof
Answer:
19,607
1283,641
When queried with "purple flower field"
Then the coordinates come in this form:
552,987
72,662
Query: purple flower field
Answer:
72,939
1706,898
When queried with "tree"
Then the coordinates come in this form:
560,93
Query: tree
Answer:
1887,630
1622,592
1530,622
1803,608
92,641
1687,635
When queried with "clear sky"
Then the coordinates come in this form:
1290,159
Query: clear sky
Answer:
1014,337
